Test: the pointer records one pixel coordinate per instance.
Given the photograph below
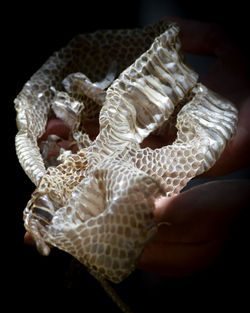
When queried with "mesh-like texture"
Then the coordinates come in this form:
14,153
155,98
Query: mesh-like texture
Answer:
98,203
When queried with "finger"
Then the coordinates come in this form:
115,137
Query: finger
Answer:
28,240
179,259
203,212
56,127
199,37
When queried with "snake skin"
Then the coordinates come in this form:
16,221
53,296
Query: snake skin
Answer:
97,203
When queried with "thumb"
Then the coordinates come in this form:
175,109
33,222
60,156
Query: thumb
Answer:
206,209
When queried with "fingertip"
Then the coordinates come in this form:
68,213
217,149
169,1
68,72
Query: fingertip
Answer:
161,207
56,127
28,240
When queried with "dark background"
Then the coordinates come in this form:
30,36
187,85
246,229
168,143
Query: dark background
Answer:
30,34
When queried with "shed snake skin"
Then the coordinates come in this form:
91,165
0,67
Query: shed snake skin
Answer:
97,203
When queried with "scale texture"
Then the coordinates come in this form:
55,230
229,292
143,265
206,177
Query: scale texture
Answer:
97,203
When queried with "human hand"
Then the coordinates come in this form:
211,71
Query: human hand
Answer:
201,217
199,220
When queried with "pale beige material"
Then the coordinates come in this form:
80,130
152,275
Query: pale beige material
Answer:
98,203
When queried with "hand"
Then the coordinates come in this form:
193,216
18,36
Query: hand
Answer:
200,218
198,223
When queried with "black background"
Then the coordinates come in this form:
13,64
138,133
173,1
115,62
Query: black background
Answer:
30,34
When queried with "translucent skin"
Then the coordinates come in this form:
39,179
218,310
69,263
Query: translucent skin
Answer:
98,203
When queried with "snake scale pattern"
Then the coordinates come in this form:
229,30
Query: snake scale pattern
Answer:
97,203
